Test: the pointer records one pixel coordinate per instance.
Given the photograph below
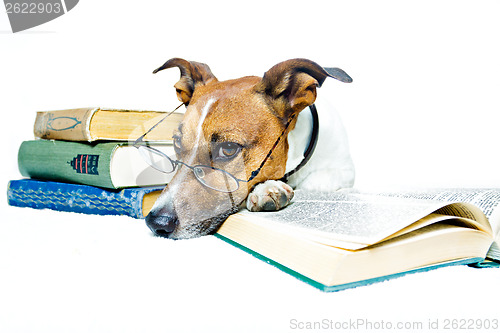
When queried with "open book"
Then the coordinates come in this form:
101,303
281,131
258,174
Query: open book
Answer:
346,239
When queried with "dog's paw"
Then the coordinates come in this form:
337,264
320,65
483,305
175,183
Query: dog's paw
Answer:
269,196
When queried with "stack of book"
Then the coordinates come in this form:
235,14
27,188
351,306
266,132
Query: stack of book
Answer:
83,160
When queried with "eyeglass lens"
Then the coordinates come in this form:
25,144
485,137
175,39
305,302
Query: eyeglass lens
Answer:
157,159
216,179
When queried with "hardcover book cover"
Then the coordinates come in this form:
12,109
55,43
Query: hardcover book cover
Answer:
135,202
92,124
105,164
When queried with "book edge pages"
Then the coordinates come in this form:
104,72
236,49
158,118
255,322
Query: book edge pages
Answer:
101,136
307,256
335,288
128,161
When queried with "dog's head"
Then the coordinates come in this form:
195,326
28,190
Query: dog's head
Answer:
223,142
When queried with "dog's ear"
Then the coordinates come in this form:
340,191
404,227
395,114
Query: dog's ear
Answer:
193,74
292,84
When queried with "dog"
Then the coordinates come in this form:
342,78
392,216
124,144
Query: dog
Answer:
240,137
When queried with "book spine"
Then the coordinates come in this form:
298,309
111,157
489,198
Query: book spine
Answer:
65,161
77,198
70,125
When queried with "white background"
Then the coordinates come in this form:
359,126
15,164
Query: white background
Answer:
423,110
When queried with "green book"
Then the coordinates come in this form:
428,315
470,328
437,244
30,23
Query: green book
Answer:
108,164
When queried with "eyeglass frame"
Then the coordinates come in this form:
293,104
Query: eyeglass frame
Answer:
139,142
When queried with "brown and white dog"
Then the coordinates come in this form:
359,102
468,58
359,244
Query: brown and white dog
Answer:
249,128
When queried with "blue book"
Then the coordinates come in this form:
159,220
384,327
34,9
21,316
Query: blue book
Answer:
335,241
85,199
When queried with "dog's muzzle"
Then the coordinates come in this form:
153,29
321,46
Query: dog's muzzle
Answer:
162,225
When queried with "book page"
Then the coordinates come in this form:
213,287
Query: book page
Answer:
351,217
488,200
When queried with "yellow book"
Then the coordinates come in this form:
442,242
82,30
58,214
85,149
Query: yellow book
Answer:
92,124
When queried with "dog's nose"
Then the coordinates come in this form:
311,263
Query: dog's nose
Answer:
162,224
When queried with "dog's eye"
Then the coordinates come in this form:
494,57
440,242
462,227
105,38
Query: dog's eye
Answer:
228,150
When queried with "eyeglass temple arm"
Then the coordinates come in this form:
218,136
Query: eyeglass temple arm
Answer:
257,171
158,123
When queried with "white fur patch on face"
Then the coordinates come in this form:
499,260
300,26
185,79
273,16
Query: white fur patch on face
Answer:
165,200
199,139
204,112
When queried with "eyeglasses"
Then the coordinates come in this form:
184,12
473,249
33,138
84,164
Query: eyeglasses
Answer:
209,176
